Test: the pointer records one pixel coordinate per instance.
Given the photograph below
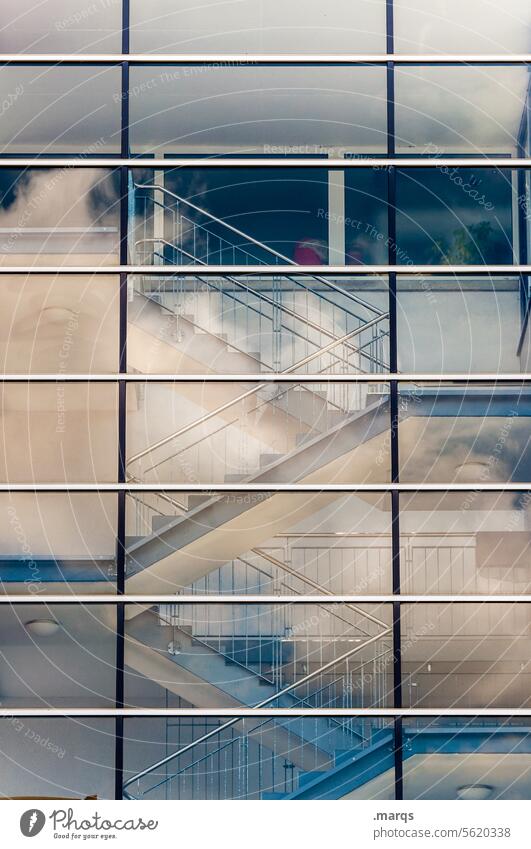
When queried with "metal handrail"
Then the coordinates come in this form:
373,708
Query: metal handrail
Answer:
261,725
283,583
267,299
190,766
313,584
192,322
301,699
281,307
282,393
261,704
349,295
256,242
253,391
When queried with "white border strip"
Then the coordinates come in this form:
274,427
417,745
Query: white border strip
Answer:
264,58
241,712
219,162
34,598
354,271
214,489
270,377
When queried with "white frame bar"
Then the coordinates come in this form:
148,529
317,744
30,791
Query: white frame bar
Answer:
264,58
83,598
8,713
274,270
216,489
270,377
220,162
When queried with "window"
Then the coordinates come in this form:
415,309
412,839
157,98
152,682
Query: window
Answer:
265,399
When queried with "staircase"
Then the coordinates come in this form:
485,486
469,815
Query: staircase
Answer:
294,428
227,764
292,432
258,669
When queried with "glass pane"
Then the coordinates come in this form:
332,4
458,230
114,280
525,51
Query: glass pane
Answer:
460,109
442,322
72,110
61,26
283,544
59,432
62,324
51,539
465,542
365,217
58,655
262,110
249,216
525,344
464,434
457,216
227,324
466,655
57,216
466,758
57,758
277,656
245,26
260,759
448,26
226,433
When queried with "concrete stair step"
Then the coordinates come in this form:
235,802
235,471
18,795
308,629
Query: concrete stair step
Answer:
312,409
255,355
195,500
306,777
158,523
237,361
345,755
132,540
201,332
268,459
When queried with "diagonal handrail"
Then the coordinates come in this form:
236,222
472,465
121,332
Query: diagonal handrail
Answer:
234,740
151,240
282,307
221,409
261,704
280,394
314,584
325,349
256,242
241,285
335,340
304,701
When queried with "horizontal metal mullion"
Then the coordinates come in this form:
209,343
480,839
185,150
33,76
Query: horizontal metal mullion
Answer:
109,598
228,59
220,162
271,377
241,712
273,270
269,488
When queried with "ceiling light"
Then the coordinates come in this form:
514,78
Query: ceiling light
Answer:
42,627
473,470
474,792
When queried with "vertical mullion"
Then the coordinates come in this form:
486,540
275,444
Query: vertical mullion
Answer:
393,401
122,410
522,188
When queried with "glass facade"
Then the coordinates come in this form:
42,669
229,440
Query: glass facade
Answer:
265,400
